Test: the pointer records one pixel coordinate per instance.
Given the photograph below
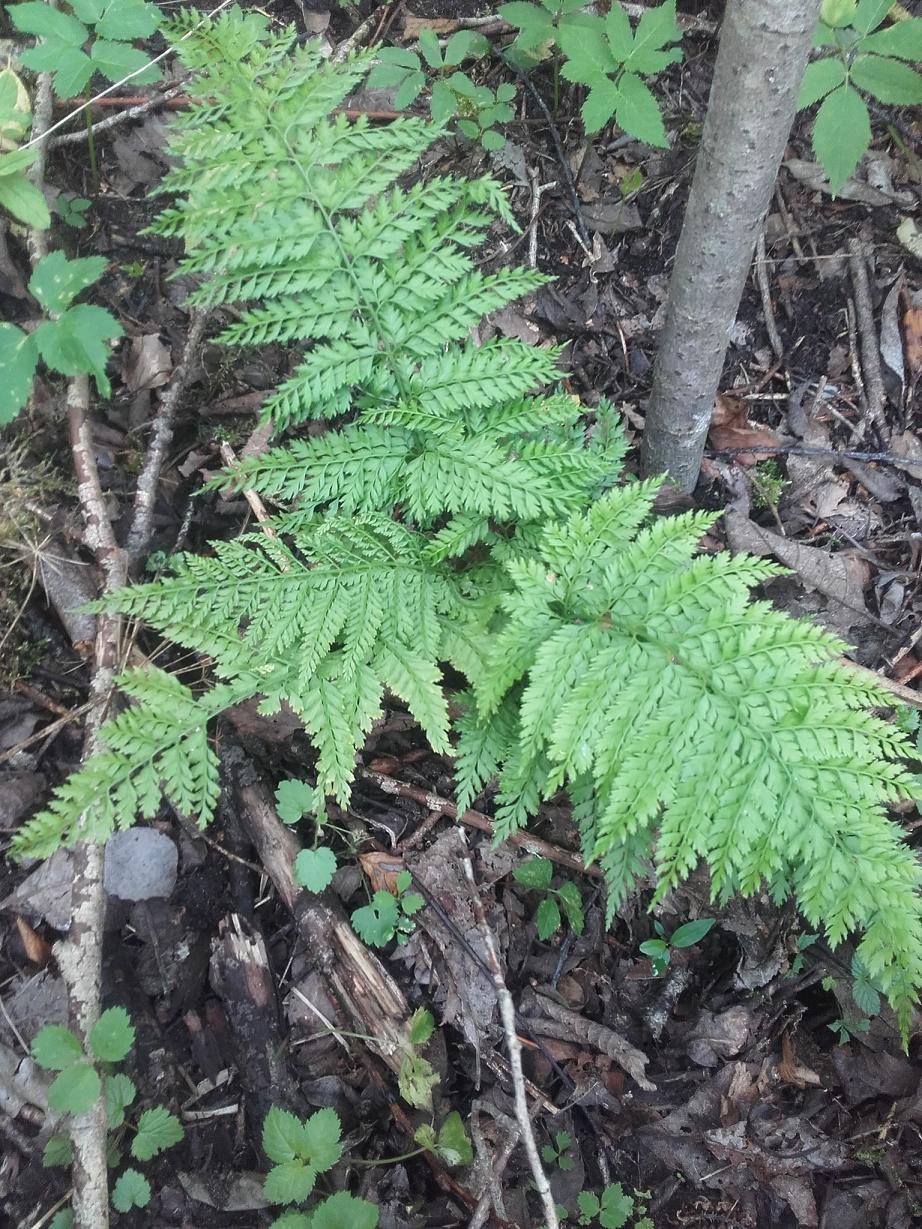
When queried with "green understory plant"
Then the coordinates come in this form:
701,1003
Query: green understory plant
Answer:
659,950
388,915
536,875
71,340
476,109
558,1153
606,55
859,56
446,509
18,195
81,1075
86,37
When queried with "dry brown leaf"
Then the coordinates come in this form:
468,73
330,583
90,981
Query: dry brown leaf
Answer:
912,337
148,363
840,577
440,25
35,947
382,870
731,428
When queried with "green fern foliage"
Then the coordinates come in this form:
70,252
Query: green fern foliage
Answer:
699,726
444,509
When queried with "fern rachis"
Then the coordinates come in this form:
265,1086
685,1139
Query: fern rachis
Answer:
449,515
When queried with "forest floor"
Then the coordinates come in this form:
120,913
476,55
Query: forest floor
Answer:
750,1082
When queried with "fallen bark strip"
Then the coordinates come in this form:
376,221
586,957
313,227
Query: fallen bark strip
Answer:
474,819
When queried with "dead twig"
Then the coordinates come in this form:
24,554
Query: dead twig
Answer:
768,309
139,531
137,110
537,191
513,1049
474,819
875,396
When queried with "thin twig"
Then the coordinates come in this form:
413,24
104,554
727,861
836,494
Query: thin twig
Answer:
867,333
768,310
474,819
537,191
514,1050
145,493
482,1211
809,450
113,121
565,171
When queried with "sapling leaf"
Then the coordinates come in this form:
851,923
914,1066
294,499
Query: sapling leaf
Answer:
569,897
454,1146
127,19
282,1135
690,933
56,281
119,1092
887,80
293,800
322,1145
20,197
819,78
421,1026
158,1130
131,1190
534,873
290,1182
903,40
57,1151
112,1036
841,134
344,1211
40,19
74,1089
376,922
56,1047
314,868
547,918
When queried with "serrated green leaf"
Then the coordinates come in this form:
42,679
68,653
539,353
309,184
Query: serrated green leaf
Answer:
657,27
386,76
547,919
691,932
376,922
429,46
588,57
290,1182
55,1046
282,1136
454,1146
866,996
841,134
70,67
443,102
402,881
588,1204
887,80
344,1211
637,112
88,11
409,90
421,1026
292,1220
534,24
600,104
616,1207
57,1151
903,40
569,896
411,902
112,1036
618,32
75,342
117,61
57,281
424,1135
75,1089
534,873
820,77
463,44
416,1080
16,160
314,868
23,200
127,19
43,21
131,1190
322,1145
119,1092
158,1130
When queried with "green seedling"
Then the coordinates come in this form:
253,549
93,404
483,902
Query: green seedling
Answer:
659,950
536,874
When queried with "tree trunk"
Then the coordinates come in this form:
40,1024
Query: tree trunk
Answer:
764,45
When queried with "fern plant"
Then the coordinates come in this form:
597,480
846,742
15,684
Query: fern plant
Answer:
442,513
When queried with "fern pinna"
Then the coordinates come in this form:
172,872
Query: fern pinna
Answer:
444,511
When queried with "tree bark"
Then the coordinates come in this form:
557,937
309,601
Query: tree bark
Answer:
764,45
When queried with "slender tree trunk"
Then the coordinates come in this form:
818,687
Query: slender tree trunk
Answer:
764,45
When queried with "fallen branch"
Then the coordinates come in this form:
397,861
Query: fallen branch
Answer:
514,1050
875,396
474,819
